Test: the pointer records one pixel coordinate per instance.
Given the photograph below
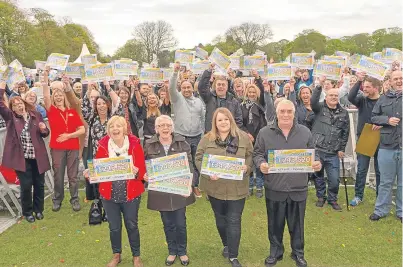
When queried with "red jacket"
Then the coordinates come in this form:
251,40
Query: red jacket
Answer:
135,187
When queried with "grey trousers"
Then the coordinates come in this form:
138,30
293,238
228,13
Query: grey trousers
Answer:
60,160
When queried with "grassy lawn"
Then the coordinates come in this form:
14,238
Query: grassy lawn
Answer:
331,238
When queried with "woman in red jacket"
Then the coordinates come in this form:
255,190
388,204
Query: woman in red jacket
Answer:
122,196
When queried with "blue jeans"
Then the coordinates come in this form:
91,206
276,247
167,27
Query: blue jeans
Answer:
390,166
330,163
193,141
175,231
362,170
259,179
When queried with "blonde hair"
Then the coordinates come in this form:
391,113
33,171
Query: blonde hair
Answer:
29,92
117,119
250,86
164,117
214,134
155,110
52,98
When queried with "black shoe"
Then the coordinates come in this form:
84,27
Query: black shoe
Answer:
225,252
104,217
168,262
235,263
56,207
271,261
30,218
259,193
39,216
400,218
320,202
335,206
299,260
374,217
76,206
185,262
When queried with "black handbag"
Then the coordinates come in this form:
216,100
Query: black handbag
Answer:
95,214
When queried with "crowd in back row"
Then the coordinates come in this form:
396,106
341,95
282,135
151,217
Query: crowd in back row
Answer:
78,115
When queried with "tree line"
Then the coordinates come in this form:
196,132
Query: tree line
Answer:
34,34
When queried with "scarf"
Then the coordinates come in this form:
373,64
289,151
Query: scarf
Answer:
230,143
249,104
115,151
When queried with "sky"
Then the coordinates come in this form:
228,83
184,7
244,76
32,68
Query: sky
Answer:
200,21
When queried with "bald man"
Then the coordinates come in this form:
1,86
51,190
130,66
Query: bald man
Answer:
330,133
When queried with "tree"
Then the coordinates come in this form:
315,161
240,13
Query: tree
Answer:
155,37
250,36
307,41
131,49
275,50
77,36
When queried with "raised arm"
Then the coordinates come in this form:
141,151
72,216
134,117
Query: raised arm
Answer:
259,84
204,85
174,94
5,112
353,95
46,90
315,105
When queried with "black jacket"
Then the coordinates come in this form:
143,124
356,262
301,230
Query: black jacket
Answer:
304,116
212,102
389,105
331,128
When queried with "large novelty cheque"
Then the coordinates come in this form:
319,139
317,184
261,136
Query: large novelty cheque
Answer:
153,75
223,167
257,62
291,161
391,54
278,72
99,73
57,61
372,67
75,70
125,67
332,70
110,169
89,59
200,66
302,60
220,59
170,174
184,56
339,59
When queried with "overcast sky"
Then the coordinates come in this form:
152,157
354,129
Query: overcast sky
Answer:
199,21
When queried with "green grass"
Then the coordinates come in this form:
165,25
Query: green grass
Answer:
332,239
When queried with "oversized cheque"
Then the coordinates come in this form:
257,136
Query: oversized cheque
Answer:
222,166
110,169
291,161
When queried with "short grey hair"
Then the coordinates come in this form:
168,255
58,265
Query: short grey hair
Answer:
285,102
164,117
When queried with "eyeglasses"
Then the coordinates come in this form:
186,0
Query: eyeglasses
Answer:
286,111
165,126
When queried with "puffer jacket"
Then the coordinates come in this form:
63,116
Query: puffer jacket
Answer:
331,129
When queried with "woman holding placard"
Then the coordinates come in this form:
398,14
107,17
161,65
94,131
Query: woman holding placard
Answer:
227,196
171,206
122,196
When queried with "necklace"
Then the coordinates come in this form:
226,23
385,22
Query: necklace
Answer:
66,120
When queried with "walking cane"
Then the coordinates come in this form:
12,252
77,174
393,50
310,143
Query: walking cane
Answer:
345,183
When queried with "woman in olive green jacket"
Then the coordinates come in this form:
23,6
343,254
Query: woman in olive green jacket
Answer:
227,197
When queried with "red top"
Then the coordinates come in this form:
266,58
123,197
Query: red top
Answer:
61,122
135,187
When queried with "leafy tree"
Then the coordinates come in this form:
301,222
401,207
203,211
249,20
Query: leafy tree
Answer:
250,36
131,49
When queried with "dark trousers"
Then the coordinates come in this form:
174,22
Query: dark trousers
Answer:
28,179
330,163
130,212
228,216
194,141
277,213
175,231
362,170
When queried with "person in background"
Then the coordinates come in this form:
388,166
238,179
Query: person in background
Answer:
238,88
387,113
172,207
218,97
365,103
150,112
327,86
66,126
286,193
253,114
189,119
306,78
19,89
78,89
25,152
31,98
122,197
330,131
227,197
129,110
304,113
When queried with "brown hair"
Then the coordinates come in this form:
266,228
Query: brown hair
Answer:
219,78
28,107
107,101
156,111
234,130
375,82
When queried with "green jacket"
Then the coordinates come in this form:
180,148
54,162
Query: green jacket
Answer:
225,189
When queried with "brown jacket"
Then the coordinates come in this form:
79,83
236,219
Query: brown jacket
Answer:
163,201
13,154
225,189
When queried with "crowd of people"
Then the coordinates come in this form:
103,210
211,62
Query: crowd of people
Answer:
203,114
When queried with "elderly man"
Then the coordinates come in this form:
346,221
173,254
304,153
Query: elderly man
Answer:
286,193
218,98
189,118
330,134
388,114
